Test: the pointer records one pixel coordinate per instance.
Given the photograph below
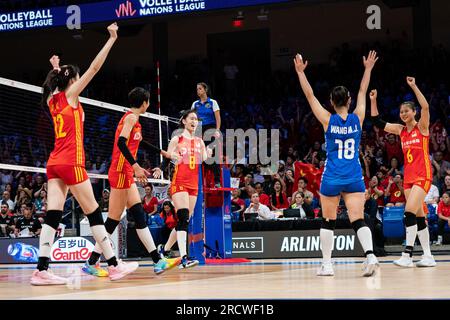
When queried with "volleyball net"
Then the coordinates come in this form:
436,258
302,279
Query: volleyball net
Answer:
27,138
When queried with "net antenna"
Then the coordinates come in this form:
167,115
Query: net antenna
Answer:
159,105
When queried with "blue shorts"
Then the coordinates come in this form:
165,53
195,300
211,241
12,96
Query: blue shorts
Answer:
332,190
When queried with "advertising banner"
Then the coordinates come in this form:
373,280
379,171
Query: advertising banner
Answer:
71,249
293,244
112,11
26,250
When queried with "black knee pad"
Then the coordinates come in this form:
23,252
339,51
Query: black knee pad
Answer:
421,224
358,224
183,220
330,224
111,225
96,218
410,219
53,218
138,214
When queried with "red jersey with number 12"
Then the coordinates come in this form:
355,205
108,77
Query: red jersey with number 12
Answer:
118,161
416,155
186,170
69,132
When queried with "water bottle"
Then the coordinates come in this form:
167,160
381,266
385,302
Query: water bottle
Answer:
23,252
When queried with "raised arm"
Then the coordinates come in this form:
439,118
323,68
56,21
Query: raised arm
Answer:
320,112
283,184
376,120
369,63
75,90
424,121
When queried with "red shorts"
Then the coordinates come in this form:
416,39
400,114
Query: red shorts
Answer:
177,188
70,175
423,183
121,180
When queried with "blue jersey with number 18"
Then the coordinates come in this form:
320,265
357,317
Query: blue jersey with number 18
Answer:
342,142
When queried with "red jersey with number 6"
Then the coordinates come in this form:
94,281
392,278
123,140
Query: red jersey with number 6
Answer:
186,170
416,155
69,132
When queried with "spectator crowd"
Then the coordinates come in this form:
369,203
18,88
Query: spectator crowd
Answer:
279,105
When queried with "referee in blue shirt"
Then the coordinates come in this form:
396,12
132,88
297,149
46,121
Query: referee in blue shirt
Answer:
208,112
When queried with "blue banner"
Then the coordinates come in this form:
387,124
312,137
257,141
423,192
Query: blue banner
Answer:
113,11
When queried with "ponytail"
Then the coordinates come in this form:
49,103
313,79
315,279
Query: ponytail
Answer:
50,85
58,79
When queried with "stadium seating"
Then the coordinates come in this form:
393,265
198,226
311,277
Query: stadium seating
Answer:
393,225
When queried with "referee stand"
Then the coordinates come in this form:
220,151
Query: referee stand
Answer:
210,233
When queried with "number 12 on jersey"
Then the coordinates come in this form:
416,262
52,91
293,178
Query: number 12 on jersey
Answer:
346,149
58,121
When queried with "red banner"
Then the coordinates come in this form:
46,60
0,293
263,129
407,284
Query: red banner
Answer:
311,173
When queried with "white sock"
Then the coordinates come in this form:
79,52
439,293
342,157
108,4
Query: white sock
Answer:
181,238
424,238
146,238
365,238
171,241
101,237
97,248
326,241
411,233
46,239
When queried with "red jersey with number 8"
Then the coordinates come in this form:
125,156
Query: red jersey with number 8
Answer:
69,132
416,155
186,170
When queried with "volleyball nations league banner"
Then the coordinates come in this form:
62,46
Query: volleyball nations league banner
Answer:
114,10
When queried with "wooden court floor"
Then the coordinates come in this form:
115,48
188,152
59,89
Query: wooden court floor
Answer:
259,279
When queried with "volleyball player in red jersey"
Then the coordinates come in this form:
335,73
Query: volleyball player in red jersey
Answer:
417,171
124,192
190,152
65,166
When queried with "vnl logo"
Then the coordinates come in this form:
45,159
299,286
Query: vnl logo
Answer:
125,10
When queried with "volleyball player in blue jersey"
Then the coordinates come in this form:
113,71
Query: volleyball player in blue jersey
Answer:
342,174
